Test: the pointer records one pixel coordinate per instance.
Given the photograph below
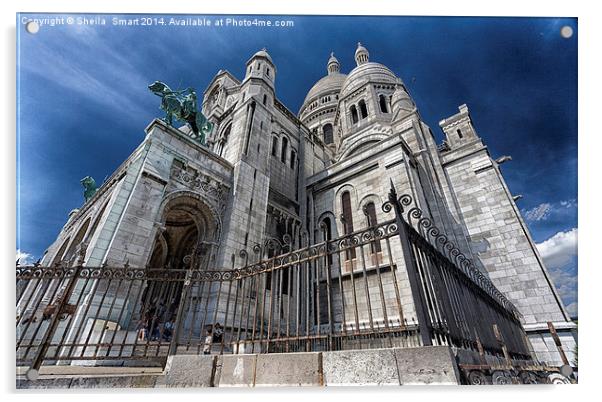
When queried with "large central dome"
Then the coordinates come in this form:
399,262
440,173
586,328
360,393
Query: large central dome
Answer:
331,83
367,72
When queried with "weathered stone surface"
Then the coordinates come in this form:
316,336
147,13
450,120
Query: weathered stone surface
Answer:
288,369
43,383
100,382
236,370
143,381
189,371
432,365
360,367
122,381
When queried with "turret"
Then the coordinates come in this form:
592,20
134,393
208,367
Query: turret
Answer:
458,128
261,66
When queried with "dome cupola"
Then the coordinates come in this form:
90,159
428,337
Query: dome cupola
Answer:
361,54
333,65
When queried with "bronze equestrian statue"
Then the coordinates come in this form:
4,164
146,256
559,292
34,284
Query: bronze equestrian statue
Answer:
183,106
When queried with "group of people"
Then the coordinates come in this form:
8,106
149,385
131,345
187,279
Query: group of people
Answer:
152,327
157,323
214,335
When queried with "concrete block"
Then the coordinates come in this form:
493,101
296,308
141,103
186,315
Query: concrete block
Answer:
360,367
288,369
432,365
236,370
189,371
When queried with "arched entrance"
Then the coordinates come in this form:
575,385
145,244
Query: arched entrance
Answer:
187,238
189,233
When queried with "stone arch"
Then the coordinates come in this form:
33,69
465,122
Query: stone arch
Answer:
97,217
338,208
354,114
158,257
188,224
354,197
363,109
59,254
333,221
375,198
222,138
284,148
356,145
70,254
327,132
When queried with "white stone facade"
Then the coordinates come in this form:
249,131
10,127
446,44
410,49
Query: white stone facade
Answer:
266,173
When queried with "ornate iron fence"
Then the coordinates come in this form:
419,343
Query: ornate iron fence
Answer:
399,283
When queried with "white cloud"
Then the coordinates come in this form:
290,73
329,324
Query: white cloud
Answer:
572,309
538,213
558,253
558,250
569,203
24,258
543,211
107,78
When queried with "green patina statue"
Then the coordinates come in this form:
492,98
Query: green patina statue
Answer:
89,187
183,106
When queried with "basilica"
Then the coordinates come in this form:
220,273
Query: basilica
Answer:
266,172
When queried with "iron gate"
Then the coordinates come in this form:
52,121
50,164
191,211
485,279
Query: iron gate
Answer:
399,283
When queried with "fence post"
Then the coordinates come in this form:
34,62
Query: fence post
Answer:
173,345
412,270
557,343
33,371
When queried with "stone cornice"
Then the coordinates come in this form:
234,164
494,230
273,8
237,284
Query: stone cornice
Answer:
189,141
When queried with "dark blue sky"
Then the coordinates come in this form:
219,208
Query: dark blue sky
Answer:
83,100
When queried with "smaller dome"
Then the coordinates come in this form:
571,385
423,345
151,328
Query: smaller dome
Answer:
263,53
333,65
361,54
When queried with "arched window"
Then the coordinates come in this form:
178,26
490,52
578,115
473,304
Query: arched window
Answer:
354,117
284,149
328,235
383,103
459,133
265,99
274,146
293,158
363,109
347,220
327,129
73,247
370,212
59,255
222,143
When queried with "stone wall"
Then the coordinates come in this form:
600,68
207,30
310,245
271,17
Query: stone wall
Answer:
433,365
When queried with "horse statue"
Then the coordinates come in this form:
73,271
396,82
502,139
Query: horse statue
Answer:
89,187
183,106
